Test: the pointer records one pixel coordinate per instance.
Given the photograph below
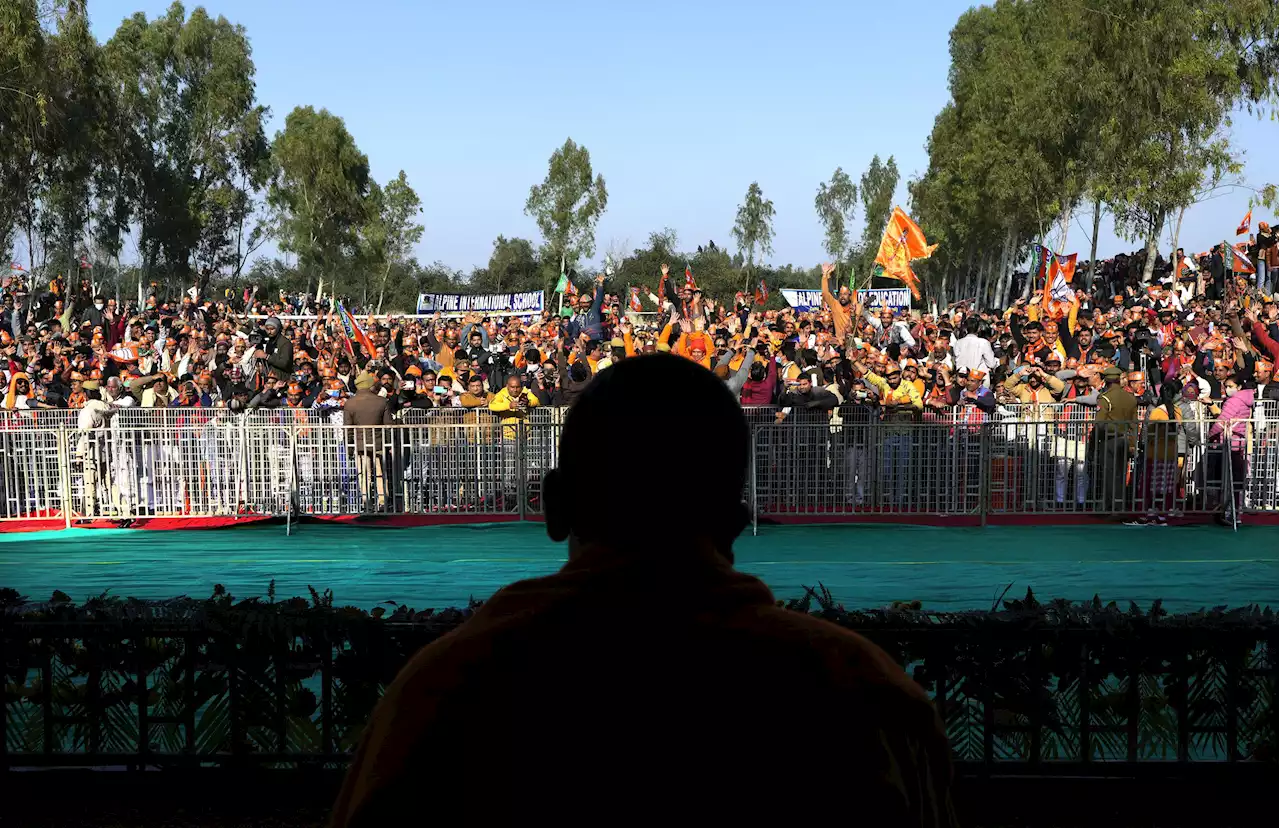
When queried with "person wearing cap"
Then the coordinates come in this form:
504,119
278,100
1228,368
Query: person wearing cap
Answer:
1114,438
362,413
276,350
972,394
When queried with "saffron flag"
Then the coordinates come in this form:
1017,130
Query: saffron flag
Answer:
569,288
1062,269
903,242
17,268
352,331
762,293
688,279
635,300
1245,222
1239,262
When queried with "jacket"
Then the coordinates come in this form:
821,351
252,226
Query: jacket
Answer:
365,408
1234,418
504,403
581,669
761,393
588,323
1117,414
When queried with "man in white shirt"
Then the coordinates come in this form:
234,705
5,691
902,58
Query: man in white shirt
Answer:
974,353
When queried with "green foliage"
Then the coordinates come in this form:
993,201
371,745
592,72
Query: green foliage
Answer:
192,145
753,227
253,675
513,266
319,193
878,185
391,228
567,205
836,202
1054,101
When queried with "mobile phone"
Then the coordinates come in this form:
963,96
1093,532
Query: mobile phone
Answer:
440,389
410,385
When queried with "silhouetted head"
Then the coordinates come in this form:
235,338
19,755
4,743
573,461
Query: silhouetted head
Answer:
626,411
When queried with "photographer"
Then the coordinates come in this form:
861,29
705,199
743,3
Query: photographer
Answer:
273,352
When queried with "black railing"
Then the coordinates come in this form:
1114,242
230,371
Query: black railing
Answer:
1055,687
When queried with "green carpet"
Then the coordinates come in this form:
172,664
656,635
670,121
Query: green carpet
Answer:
863,566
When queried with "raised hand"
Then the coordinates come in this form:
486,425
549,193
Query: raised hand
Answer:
827,269
665,269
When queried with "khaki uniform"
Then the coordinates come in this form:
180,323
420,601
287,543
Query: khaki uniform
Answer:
1115,439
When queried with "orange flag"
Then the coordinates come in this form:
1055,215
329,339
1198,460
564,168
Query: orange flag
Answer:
903,243
1245,222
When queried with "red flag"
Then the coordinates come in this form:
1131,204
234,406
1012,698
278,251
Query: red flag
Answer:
17,268
688,279
84,262
635,300
762,293
1245,222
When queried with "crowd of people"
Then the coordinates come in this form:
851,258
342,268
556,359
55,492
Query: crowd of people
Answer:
1197,343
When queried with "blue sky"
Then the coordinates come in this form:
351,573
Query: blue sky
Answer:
682,106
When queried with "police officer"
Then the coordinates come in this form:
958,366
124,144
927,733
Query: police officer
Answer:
1114,437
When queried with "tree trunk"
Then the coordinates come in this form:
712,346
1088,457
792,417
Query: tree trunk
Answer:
1173,251
1006,268
1064,227
382,291
1034,273
1093,243
984,277
1149,266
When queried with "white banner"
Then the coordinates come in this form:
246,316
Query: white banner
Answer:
803,300
497,304
896,298
810,300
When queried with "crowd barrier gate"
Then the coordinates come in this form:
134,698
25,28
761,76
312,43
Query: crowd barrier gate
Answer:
1041,460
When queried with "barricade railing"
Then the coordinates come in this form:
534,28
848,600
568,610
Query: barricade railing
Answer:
1154,468
447,461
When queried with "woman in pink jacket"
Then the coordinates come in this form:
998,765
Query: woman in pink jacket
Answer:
1231,428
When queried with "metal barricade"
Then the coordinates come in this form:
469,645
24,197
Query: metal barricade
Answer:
33,473
192,470
1035,460
865,467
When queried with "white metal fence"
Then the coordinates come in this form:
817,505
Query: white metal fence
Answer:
183,463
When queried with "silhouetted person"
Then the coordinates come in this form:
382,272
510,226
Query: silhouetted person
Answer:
648,682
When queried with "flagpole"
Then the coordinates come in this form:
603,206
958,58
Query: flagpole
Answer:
872,274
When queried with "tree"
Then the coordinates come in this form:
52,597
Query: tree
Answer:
318,193
193,137
879,183
513,266
567,205
23,116
753,229
836,202
392,228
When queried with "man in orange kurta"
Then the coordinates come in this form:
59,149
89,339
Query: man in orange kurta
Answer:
649,682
